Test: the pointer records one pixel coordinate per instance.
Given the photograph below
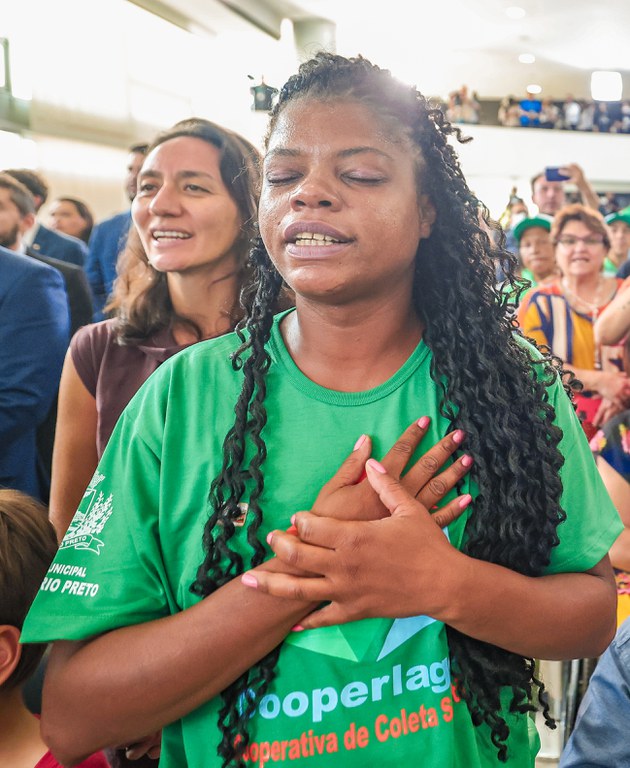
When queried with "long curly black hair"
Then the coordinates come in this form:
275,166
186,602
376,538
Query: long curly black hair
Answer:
481,368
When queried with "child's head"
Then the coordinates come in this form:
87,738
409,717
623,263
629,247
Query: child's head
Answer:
27,546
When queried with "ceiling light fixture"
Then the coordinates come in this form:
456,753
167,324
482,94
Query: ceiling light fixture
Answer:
515,12
527,58
606,86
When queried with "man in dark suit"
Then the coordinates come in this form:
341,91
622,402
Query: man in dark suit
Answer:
17,215
109,238
41,239
34,334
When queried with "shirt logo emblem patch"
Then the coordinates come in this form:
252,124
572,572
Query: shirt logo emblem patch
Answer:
85,526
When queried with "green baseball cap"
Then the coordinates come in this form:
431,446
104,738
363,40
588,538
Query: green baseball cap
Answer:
541,220
622,215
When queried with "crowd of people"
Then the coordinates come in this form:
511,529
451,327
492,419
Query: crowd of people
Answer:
534,110
575,262
463,106
570,114
295,463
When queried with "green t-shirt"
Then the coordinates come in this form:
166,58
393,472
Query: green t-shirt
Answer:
373,692
610,269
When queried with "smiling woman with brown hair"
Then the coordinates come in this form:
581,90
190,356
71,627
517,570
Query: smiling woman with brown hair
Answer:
179,282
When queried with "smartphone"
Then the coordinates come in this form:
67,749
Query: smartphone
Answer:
553,174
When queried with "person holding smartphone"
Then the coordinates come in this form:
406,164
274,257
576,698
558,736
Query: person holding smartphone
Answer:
548,188
549,196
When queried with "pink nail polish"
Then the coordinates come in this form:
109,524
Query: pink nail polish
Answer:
423,423
467,461
269,537
458,436
359,442
465,501
297,628
374,464
249,580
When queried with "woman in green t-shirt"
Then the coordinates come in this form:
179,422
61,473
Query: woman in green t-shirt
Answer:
365,215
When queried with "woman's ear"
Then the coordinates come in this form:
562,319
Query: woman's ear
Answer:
427,216
10,651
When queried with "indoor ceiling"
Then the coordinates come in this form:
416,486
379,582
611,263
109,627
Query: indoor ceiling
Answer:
442,45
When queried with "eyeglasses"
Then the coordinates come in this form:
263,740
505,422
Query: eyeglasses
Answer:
569,241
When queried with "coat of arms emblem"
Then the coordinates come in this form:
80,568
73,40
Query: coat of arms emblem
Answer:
86,525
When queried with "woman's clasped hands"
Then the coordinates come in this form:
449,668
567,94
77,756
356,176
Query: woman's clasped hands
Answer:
370,547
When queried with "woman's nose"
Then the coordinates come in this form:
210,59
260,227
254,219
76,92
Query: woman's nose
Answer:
312,193
580,245
165,201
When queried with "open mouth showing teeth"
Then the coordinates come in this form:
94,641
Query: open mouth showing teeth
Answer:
167,234
313,238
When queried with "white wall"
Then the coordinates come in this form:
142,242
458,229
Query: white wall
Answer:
499,158
92,172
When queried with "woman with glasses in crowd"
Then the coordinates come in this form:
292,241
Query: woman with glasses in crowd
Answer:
561,314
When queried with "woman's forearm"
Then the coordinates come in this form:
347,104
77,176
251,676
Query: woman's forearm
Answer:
157,672
590,379
535,617
135,680
614,322
75,456
589,196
